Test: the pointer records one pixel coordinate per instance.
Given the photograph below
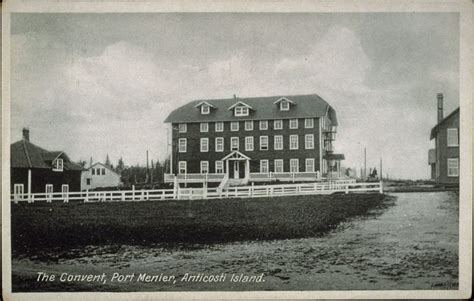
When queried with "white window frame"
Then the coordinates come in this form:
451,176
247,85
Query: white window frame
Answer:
309,144
284,105
294,123
454,133
204,145
182,127
262,139
64,190
234,126
278,122
232,139
241,111
263,167
249,145
205,109
204,127
294,142
294,167
217,144
58,165
309,162
278,163
204,167
18,190
263,125
249,125
182,165
309,123
219,166
49,189
219,126
453,161
182,145
278,145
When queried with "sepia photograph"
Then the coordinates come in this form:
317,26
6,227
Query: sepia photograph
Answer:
236,149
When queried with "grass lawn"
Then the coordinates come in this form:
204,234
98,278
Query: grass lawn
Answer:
58,225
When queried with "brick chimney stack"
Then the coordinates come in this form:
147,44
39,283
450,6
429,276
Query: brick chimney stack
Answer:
440,106
26,134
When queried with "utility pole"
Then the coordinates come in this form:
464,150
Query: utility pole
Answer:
152,171
147,168
381,174
365,163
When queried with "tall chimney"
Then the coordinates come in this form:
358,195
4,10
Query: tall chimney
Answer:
440,106
26,134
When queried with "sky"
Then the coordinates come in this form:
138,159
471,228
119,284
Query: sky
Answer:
98,84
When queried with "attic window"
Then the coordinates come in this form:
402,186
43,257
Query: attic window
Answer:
284,105
58,165
241,111
205,109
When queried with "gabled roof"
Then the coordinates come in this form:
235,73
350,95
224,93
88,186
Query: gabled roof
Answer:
103,165
264,108
241,103
435,129
25,154
285,99
204,103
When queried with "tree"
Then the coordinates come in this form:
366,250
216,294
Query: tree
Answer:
120,165
107,161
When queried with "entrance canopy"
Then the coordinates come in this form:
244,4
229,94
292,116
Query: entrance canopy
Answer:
235,155
335,157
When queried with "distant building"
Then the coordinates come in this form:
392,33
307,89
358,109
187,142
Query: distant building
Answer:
36,170
99,175
444,158
254,139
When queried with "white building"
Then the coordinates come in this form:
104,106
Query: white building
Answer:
99,175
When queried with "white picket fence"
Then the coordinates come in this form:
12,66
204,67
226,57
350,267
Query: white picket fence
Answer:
346,186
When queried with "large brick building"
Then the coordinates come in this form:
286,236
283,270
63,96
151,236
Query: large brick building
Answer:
444,158
278,137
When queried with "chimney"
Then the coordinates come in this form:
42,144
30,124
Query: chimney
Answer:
440,106
26,134
235,96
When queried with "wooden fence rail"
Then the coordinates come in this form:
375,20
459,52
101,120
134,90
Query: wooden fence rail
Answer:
346,186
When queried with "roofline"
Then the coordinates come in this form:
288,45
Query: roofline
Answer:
100,163
435,128
242,119
25,149
205,102
283,98
240,102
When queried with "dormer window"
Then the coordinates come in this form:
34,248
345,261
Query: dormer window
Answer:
284,106
205,109
58,165
241,111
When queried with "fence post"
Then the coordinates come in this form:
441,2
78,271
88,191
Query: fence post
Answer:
293,176
381,187
251,190
347,188
141,195
32,198
87,196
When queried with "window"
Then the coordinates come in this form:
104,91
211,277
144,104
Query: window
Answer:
293,141
278,165
18,190
310,165
182,167
278,124
263,125
93,171
58,165
204,145
241,111
278,142
309,123
293,123
219,166
284,105
204,166
249,143
182,127
103,171
219,144
49,188
309,141
234,143
263,142
249,125
205,109
453,139
64,190
182,145
204,127
219,126
234,126
294,165
453,167
88,181
264,166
